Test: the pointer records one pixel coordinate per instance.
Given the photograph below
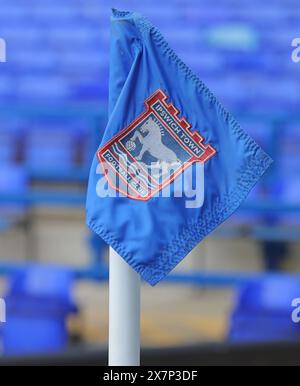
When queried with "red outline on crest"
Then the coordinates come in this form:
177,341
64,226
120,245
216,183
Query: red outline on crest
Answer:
158,95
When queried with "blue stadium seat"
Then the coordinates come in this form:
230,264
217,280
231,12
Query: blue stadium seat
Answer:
8,147
263,311
38,301
289,164
13,180
47,148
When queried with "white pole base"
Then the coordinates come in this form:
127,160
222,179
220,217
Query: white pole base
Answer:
124,313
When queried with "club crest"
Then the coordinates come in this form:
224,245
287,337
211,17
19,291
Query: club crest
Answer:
152,151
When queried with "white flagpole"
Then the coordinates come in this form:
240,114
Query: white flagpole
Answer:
124,313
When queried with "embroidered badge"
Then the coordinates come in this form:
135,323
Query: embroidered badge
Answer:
152,151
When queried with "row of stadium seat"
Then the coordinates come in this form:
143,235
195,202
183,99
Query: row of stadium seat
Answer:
50,147
70,143
58,55
66,42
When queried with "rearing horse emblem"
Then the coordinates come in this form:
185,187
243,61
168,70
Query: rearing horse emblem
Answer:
152,151
150,136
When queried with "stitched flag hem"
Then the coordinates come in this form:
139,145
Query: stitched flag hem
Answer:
248,174
193,233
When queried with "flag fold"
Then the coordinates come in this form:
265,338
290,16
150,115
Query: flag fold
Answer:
167,140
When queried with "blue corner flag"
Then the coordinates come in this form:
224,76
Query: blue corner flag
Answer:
173,163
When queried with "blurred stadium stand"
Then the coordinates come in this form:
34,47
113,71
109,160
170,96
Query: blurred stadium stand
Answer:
53,97
58,57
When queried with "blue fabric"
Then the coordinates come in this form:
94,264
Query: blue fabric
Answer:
153,236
